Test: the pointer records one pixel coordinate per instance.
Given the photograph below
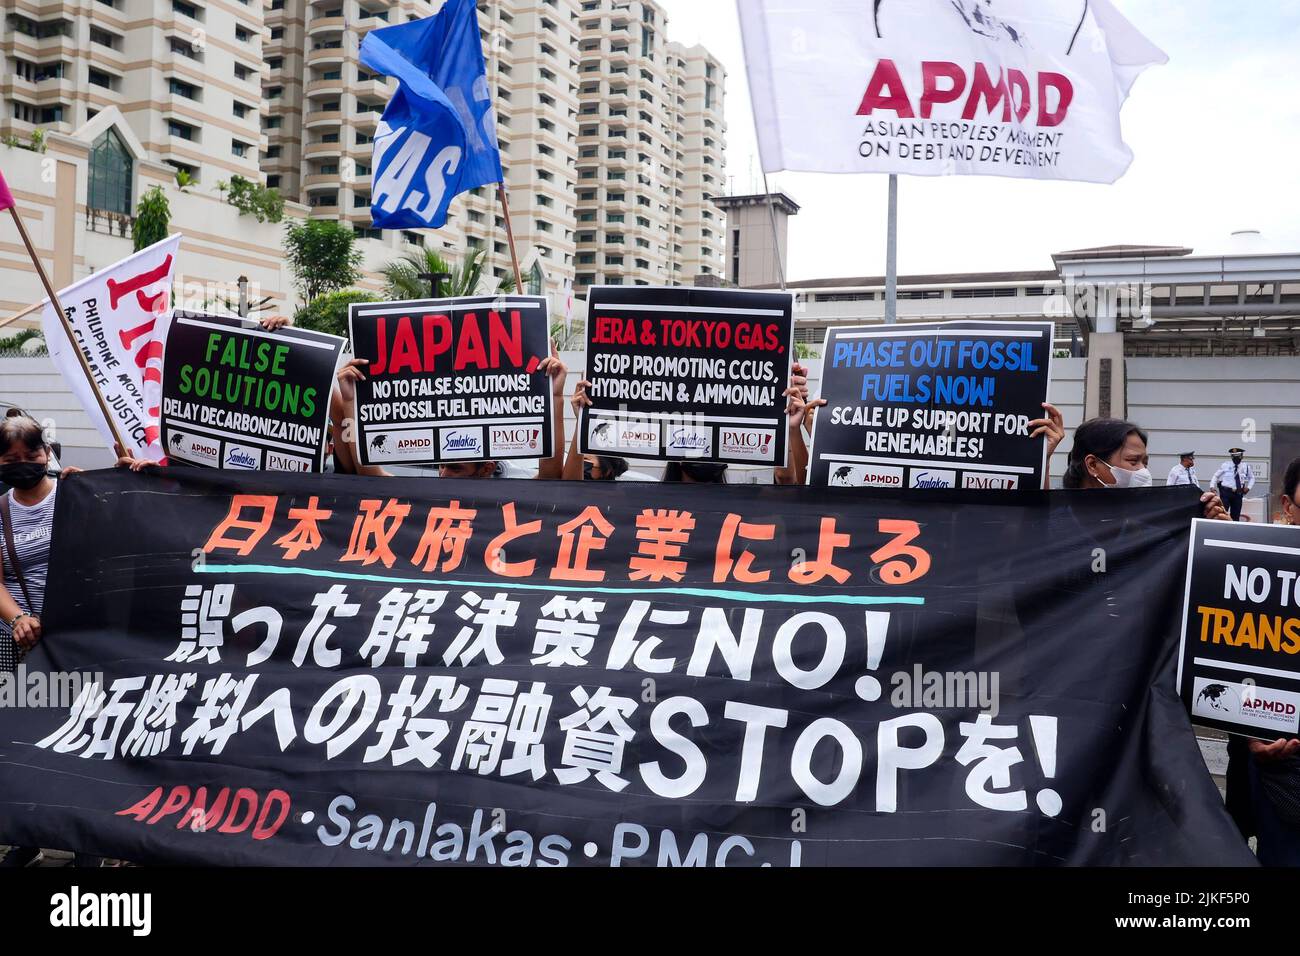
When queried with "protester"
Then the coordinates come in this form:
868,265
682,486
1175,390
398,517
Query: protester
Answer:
1112,453
26,524
1184,473
1263,778
26,521
1233,482
579,467
343,403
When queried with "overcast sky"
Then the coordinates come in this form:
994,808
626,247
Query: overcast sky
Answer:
1216,135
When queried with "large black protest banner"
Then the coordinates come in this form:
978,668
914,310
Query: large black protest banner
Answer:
1238,667
687,374
349,671
453,380
238,396
936,405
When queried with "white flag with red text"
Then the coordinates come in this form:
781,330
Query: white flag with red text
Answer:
120,317
1023,88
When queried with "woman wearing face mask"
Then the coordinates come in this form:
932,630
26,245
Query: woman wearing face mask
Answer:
26,517
1112,453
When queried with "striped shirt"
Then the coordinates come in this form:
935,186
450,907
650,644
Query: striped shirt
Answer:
31,530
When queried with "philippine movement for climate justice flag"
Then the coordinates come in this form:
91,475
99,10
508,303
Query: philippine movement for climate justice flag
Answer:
1023,88
120,316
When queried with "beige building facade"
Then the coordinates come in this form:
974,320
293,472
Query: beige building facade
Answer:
612,136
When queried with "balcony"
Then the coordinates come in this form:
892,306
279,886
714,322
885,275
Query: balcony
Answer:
319,118
332,87
325,55
320,150
319,25
319,180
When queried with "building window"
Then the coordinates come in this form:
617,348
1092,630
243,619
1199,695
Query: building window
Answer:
180,130
110,174
536,282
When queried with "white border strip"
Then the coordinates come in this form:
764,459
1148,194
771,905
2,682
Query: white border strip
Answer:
954,333
1247,668
257,332
1247,546
376,428
711,310
953,465
681,419
416,306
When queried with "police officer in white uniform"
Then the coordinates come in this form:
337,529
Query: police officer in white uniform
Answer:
1184,473
1233,481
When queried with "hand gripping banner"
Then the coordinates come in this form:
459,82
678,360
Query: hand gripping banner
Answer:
326,670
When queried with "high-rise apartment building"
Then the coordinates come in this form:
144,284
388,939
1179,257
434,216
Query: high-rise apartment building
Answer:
611,135
651,139
186,75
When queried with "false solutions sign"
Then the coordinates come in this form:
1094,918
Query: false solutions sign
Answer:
238,396
453,380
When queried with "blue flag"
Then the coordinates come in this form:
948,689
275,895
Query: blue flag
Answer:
437,138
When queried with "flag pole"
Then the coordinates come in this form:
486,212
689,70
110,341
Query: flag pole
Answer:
67,327
510,238
891,254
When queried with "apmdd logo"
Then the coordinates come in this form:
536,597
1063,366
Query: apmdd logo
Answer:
196,448
866,476
751,444
416,444
1249,704
461,442
242,456
617,435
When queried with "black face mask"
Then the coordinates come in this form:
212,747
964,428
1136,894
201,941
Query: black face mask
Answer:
23,475
1236,459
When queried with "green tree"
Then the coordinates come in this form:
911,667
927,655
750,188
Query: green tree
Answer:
183,180
402,276
323,255
254,199
329,312
152,216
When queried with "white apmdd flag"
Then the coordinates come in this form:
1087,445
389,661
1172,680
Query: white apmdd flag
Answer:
120,315
1026,88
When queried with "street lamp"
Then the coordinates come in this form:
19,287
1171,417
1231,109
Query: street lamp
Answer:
433,278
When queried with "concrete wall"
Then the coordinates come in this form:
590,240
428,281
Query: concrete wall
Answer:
1208,405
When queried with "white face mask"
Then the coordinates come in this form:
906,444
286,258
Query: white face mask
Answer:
1128,479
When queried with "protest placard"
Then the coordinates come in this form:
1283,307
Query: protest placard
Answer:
453,380
238,396
1238,667
687,374
935,405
